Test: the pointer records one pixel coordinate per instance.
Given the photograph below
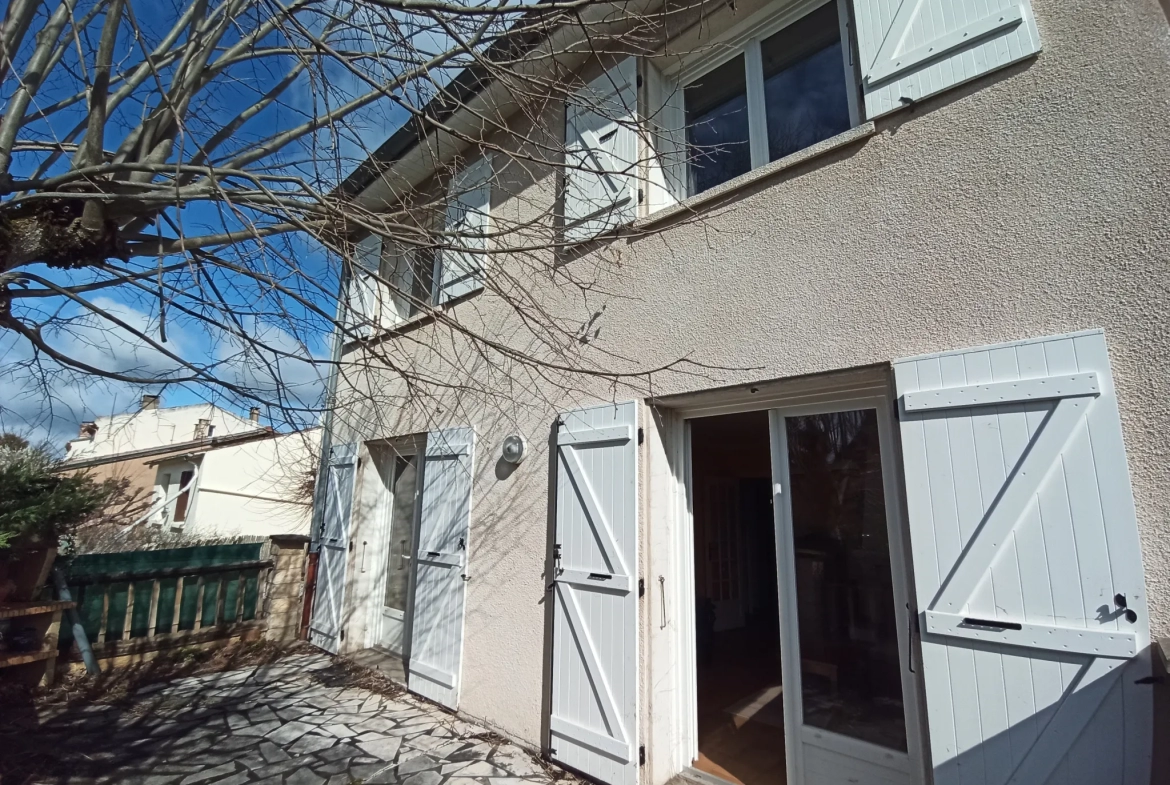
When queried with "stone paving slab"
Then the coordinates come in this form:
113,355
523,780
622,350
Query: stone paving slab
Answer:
279,724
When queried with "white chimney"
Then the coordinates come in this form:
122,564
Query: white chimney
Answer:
202,428
148,402
254,414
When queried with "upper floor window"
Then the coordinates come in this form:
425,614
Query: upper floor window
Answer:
393,281
802,71
783,91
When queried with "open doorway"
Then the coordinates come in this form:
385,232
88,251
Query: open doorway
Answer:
737,630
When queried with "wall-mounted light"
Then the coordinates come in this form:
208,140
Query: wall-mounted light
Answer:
515,448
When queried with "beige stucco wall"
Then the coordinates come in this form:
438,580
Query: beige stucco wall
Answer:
1032,202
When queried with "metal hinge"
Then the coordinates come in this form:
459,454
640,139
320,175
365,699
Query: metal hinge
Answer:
641,435
641,587
642,755
641,196
639,80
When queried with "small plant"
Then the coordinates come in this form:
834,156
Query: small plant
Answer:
38,504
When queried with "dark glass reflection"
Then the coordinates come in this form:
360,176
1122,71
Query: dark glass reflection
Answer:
401,531
849,657
804,83
717,127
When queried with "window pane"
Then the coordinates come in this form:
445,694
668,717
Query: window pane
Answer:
849,658
804,83
184,498
717,127
423,276
401,531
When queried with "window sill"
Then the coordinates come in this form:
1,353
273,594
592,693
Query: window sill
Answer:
407,325
691,204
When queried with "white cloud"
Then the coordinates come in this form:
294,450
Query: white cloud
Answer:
45,401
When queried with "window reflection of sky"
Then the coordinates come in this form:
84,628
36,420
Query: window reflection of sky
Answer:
806,103
719,145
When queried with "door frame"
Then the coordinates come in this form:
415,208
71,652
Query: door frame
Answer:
669,621
403,445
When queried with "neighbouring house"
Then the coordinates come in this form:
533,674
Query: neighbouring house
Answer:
202,470
892,530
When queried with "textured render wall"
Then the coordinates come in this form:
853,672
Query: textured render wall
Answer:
1035,201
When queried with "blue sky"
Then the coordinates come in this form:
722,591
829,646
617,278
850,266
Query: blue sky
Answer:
46,401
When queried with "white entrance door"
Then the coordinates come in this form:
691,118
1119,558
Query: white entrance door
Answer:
399,471
593,708
849,690
436,646
325,624
1026,565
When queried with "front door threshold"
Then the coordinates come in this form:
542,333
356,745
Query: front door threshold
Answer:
381,660
692,776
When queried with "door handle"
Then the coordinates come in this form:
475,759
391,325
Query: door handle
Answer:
600,576
433,554
993,623
662,592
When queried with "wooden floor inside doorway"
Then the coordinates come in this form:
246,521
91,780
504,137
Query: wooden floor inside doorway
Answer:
741,715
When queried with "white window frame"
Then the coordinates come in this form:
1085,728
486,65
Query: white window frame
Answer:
390,318
745,39
164,516
477,172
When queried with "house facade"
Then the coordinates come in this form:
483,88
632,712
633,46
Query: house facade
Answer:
901,519
200,470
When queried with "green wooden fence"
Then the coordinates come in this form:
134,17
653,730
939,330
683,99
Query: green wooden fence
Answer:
142,594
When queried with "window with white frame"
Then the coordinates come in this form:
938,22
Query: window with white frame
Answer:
393,280
174,492
784,90
802,71
466,229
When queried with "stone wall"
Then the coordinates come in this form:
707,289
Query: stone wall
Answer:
285,599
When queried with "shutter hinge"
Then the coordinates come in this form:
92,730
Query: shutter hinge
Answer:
639,80
641,435
341,636
641,587
641,196
642,755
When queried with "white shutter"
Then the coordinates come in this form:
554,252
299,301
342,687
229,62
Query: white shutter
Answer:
360,304
594,709
601,145
667,162
397,269
915,48
440,587
469,196
1023,531
333,545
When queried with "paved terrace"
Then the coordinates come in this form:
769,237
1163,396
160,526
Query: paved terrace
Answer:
294,722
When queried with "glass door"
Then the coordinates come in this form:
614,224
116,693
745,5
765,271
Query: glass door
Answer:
402,485
843,614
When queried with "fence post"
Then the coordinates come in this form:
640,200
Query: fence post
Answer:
283,596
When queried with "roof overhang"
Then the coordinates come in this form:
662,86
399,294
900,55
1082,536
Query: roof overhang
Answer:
474,103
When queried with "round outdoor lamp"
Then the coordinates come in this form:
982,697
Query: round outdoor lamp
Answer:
514,449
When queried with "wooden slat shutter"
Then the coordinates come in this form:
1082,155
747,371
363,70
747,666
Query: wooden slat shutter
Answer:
915,48
325,625
1024,537
594,705
436,655
467,224
360,311
601,153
